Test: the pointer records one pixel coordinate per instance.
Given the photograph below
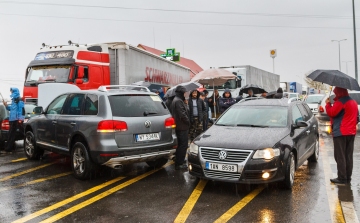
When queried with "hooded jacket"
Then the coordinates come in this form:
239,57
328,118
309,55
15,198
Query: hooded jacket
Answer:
343,113
16,107
279,93
224,102
201,109
179,110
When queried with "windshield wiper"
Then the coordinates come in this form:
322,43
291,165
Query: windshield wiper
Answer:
146,113
248,125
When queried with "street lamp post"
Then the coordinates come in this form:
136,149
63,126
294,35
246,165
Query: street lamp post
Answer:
339,50
346,62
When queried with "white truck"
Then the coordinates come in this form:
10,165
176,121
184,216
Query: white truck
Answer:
92,65
247,75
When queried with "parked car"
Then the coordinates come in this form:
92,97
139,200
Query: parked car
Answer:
5,126
231,151
313,101
322,109
111,126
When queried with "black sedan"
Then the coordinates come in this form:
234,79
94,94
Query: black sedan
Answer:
256,141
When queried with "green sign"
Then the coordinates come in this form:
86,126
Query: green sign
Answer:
172,54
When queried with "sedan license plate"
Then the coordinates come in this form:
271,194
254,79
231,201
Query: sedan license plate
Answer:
221,167
147,137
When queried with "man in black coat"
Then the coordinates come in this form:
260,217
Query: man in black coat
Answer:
279,93
181,116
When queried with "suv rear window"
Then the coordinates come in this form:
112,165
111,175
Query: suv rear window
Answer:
137,105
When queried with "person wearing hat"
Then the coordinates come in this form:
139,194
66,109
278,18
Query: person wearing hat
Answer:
182,120
15,118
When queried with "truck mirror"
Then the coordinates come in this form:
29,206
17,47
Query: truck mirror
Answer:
80,73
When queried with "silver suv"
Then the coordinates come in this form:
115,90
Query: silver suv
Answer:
112,126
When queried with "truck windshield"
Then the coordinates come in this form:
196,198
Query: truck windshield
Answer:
48,73
230,84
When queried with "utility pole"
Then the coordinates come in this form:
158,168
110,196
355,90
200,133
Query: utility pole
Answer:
355,50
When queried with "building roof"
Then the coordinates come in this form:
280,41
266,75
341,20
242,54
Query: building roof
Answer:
194,67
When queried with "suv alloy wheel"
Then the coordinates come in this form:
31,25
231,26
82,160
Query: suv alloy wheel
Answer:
81,164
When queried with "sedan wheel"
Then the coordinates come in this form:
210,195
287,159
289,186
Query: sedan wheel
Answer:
30,148
315,156
290,171
81,164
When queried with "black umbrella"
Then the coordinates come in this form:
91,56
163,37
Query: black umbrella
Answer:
255,88
188,85
335,78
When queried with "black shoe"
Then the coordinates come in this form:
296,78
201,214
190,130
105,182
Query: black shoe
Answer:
338,181
181,167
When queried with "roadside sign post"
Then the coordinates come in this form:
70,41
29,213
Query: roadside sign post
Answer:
171,54
273,54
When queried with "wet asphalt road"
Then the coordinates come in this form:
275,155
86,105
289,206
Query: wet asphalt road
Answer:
44,190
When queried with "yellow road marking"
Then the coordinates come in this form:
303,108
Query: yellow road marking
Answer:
35,181
26,171
68,200
238,206
190,203
18,160
336,212
100,196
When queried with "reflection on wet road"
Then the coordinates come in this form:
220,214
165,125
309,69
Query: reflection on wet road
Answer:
45,191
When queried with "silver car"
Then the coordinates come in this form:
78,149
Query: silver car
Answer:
110,126
313,101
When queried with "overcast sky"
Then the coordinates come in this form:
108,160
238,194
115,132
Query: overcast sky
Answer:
212,33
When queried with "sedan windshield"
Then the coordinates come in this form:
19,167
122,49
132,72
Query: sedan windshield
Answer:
256,116
314,99
48,73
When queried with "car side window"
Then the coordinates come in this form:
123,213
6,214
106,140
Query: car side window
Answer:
73,104
55,106
308,110
91,105
296,114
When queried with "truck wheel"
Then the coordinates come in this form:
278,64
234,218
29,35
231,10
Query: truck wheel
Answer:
32,152
289,172
315,156
157,163
81,164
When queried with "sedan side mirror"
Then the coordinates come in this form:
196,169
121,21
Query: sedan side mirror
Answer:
38,110
301,124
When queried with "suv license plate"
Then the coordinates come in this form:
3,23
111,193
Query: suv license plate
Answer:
147,137
221,167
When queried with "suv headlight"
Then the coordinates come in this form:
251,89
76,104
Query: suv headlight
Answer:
194,148
267,153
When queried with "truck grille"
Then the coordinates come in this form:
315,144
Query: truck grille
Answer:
222,175
31,100
233,156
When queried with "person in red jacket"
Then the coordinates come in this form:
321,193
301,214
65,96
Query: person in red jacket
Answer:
344,119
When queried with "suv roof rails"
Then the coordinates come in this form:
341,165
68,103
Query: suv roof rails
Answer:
252,98
105,88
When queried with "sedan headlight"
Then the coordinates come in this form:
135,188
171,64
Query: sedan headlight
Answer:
267,153
194,148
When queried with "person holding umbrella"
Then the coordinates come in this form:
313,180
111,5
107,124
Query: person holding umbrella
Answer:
197,110
214,104
344,119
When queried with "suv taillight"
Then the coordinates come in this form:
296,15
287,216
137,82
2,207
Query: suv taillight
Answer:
170,123
321,109
112,126
5,125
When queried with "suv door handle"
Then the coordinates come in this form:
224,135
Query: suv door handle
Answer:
314,126
73,123
54,122
307,132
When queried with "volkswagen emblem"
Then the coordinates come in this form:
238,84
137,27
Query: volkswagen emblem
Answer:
222,155
147,124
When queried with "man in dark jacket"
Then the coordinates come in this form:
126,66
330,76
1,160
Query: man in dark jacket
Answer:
344,114
196,111
181,116
279,93
226,101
